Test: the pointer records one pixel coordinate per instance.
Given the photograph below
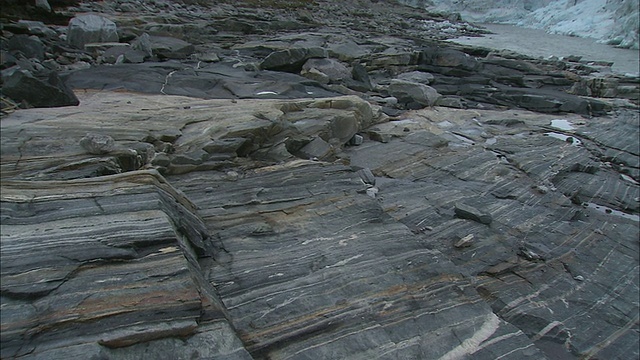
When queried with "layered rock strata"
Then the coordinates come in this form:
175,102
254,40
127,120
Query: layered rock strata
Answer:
372,194
272,257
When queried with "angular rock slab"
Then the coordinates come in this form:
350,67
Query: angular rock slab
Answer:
314,269
94,265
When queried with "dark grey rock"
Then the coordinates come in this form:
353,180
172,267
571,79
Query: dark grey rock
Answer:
212,80
356,140
143,43
334,70
347,51
360,74
127,55
44,5
6,60
165,47
316,149
192,158
29,46
226,145
450,58
31,28
89,28
291,60
466,211
52,92
367,176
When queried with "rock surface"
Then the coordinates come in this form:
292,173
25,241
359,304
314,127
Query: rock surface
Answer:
272,216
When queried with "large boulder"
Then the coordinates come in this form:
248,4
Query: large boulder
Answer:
85,29
51,92
325,70
413,95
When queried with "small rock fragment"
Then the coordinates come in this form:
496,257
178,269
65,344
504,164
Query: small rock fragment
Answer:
466,211
372,192
464,242
367,176
356,140
97,144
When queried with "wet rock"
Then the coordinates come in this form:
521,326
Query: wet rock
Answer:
84,29
409,92
466,211
97,144
22,86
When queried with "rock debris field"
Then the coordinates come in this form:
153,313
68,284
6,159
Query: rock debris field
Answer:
309,180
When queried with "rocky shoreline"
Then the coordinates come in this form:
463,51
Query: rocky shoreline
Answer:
310,180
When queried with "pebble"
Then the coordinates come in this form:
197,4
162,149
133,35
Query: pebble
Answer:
464,242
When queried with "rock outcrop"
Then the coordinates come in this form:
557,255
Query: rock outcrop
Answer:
201,206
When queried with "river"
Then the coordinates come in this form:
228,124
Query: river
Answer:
537,43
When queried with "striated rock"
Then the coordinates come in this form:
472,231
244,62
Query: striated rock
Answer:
316,149
243,271
126,256
466,211
194,232
84,29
